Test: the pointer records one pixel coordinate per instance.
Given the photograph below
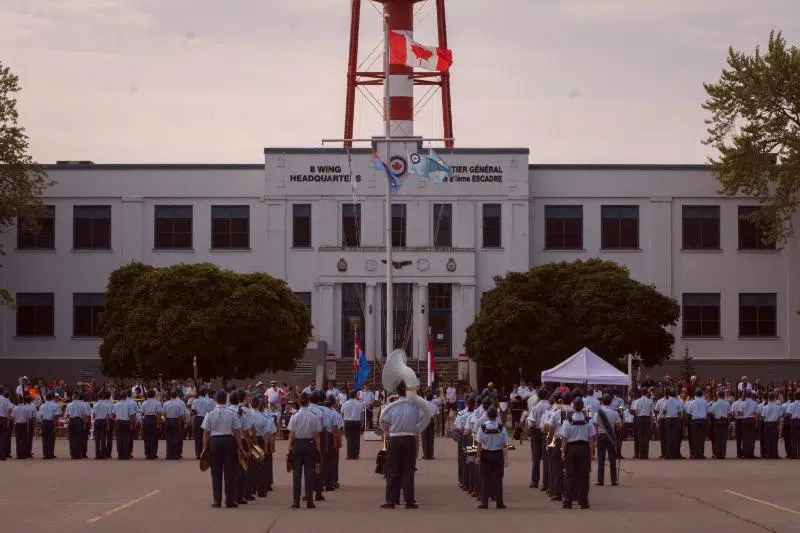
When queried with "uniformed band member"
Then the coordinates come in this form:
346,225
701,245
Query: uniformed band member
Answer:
304,451
175,413
102,411
793,420
402,424
535,425
492,439
353,414
5,424
124,421
330,462
770,414
337,443
698,410
556,476
718,412
643,409
577,452
152,412
236,405
200,408
21,417
464,440
49,413
221,440
264,430
673,410
429,432
608,424
79,416
747,414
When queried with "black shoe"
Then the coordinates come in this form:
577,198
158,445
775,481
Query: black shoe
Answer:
216,505
387,506
567,505
501,506
601,484
412,506
556,498
296,505
481,506
310,505
614,483
231,505
262,494
241,501
533,486
249,498
319,497
585,506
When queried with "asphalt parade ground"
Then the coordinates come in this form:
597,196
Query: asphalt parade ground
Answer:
654,496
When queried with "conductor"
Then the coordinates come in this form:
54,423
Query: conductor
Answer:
402,423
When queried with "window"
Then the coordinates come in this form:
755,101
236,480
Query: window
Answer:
563,227
750,235
701,315
700,227
301,226
758,315
351,225
86,308
492,225
442,225
173,227
620,227
440,309
304,297
35,315
91,227
44,237
230,226
398,225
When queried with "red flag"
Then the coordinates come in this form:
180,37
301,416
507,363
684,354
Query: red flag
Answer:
356,355
431,362
405,51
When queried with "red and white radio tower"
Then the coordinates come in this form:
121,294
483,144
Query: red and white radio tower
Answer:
402,79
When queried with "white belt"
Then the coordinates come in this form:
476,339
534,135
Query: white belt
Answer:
402,434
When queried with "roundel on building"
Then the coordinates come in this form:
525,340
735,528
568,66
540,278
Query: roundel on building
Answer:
398,165
415,158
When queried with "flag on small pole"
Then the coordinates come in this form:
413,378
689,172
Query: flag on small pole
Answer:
431,362
363,368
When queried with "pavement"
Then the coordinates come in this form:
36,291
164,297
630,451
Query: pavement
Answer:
142,496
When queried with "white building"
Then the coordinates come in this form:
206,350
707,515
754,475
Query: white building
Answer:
301,218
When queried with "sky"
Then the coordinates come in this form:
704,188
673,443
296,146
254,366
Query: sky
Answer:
216,81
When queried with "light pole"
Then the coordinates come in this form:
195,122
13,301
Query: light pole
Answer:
194,368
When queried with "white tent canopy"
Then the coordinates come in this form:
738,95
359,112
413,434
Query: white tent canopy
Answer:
585,366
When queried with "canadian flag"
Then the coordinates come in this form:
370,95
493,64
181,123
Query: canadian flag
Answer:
404,51
431,362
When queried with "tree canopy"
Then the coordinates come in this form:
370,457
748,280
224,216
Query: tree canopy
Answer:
156,320
755,128
22,181
536,319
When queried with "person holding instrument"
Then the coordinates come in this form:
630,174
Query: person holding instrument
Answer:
222,439
304,451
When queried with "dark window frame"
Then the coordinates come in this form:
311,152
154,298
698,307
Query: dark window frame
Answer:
45,236
750,235
492,226
442,225
758,315
353,295
399,225
230,232
701,315
301,226
91,227
563,227
173,228
38,307
86,308
617,232
351,223
701,227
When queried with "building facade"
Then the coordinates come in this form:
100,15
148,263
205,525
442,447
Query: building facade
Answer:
316,218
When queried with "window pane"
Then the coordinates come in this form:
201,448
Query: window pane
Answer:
91,212
174,211
442,225
758,299
230,211
351,225
701,212
563,211
710,234
492,226
90,299
627,212
610,237
629,233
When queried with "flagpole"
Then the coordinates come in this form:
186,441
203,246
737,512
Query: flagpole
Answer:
388,132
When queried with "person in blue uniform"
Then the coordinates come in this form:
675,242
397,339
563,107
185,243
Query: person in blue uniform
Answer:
577,451
79,416
102,411
200,408
492,440
770,414
463,441
304,451
719,413
402,423
152,412
175,413
748,414
608,424
697,412
124,423
429,432
5,424
221,439
49,413
21,417
106,398
353,414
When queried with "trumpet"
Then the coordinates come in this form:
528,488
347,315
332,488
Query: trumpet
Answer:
257,454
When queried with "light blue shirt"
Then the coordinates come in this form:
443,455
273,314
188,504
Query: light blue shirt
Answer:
576,433
5,407
461,419
352,410
699,408
673,407
152,407
402,418
79,409
617,402
793,410
246,418
221,421
772,411
748,408
367,397
21,414
592,403
175,408
304,424
49,411
202,405
643,406
492,441
611,415
259,420
102,409
270,428
433,407
123,411
720,409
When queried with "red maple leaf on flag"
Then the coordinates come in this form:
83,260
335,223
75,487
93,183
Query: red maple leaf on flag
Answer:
421,53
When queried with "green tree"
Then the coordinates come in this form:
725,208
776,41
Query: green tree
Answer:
22,181
536,319
156,320
755,129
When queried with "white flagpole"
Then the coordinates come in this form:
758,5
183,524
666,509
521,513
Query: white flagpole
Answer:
387,124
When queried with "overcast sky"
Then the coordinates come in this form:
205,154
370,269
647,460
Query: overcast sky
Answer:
576,81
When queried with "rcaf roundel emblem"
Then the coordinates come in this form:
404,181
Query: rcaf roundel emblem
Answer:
415,159
398,165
